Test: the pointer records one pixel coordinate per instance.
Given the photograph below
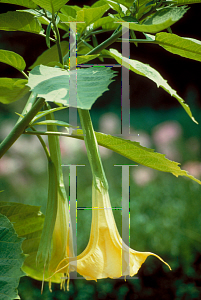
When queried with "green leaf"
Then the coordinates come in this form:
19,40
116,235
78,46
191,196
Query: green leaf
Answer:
51,55
28,223
139,154
98,3
161,20
52,122
53,84
13,59
189,48
70,11
89,15
11,260
86,15
19,21
126,3
47,4
12,89
25,3
105,23
93,14
116,6
149,72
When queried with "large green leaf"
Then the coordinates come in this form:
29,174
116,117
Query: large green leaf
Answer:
161,20
47,4
12,89
86,15
189,48
139,154
11,260
28,223
25,3
149,72
53,84
13,59
51,55
22,21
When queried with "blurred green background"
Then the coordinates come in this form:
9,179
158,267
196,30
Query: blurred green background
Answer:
164,210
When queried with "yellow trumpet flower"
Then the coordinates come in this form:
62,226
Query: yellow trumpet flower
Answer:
62,243
102,257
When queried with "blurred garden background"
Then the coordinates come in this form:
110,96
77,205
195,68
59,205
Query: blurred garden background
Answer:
164,210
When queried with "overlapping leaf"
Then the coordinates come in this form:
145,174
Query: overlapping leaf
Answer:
12,89
105,23
13,59
21,21
149,72
116,6
139,154
25,3
47,4
186,47
28,223
86,15
11,260
161,20
39,14
53,84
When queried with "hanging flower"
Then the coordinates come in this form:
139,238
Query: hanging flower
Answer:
62,243
102,257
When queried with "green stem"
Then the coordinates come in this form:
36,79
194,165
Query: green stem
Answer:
43,144
87,44
106,43
51,39
20,127
25,75
28,106
96,32
54,146
92,149
137,40
52,133
58,41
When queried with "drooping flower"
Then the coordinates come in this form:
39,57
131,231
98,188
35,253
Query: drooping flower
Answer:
102,257
62,243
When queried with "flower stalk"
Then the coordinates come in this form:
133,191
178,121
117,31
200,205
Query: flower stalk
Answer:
99,178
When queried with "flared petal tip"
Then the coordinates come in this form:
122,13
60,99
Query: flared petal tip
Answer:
161,260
